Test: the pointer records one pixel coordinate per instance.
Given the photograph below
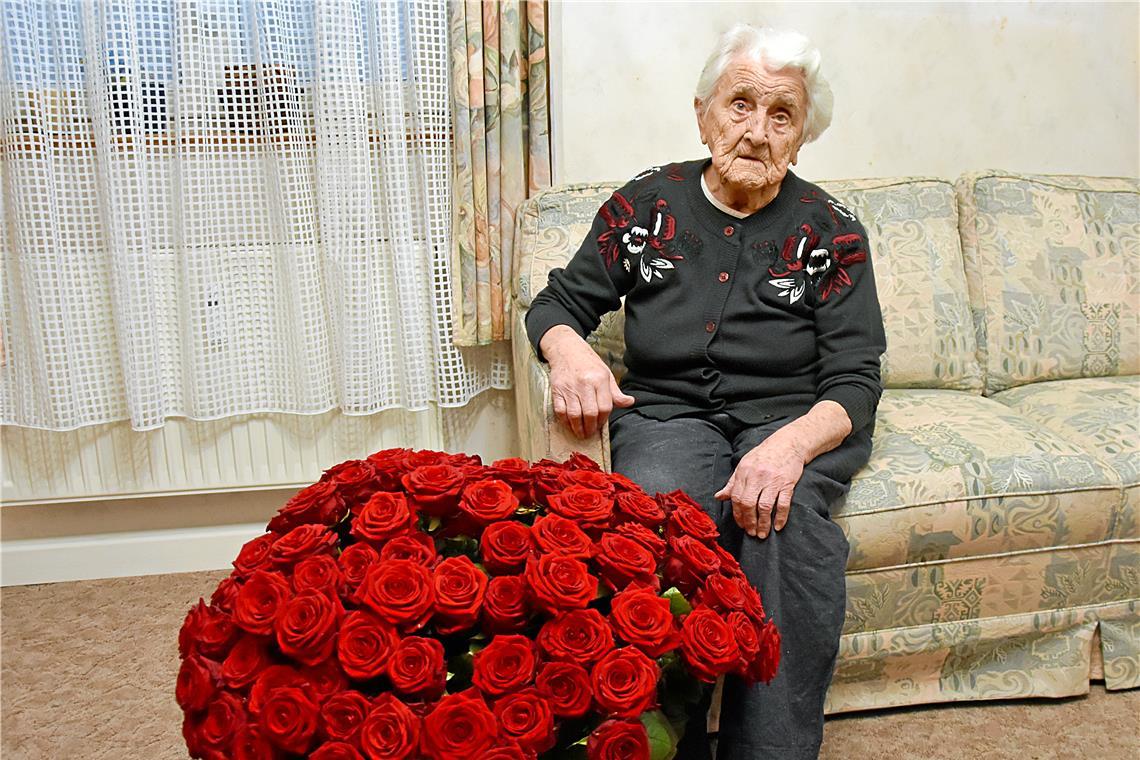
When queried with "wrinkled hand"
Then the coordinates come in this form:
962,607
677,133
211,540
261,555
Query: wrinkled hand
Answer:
582,387
764,478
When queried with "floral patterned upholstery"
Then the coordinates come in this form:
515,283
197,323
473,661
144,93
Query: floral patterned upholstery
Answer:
995,547
1054,275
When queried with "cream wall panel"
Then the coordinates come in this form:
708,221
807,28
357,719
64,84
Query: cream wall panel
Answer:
920,88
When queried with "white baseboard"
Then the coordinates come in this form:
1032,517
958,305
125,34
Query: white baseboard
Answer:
117,555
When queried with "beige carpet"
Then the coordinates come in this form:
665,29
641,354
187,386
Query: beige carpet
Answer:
89,670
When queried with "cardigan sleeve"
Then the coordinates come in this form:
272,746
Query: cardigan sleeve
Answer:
594,280
849,329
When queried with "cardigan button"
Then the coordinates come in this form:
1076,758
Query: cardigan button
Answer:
723,276
729,230
710,326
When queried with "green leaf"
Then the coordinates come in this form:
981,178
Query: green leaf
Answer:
678,604
433,524
663,737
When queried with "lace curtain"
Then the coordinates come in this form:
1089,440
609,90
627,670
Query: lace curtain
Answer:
216,208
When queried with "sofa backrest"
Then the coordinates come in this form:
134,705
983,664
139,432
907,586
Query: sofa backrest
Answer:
1053,268
912,225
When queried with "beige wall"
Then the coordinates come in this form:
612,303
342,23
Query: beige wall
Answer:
921,89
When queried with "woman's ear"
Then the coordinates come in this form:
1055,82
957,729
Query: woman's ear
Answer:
698,109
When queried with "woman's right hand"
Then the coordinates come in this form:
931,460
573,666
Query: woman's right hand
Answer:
582,387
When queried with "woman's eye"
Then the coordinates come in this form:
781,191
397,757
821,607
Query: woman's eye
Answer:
739,105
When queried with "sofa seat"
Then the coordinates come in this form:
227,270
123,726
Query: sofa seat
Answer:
954,475
1102,416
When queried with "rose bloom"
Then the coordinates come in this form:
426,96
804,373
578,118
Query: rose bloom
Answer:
516,473
207,630
505,547
301,542
254,555
636,506
642,618
566,685
435,489
364,645
708,645
525,716
289,719
343,714
593,479
588,507
336,751
505,608
307,625
249,656
459,591
689,519
354,562
581,636
644,536
486,501
319,503
321,574
259,600
459,728
557,535
417,668
560,583
273,677
625,683
250,744
391,730
385,515
399,591
504,665
414,545
196,685
622,560
618,740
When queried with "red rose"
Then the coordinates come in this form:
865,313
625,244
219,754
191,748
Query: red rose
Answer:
343,714
391,730
425,458
306,626
254,554
643,619
587,507
399,591
514,472
618,740
336,751
579,461
644,536
675,500
581,636
435,489
625,683
250,744
747,635
301,542
636,506
525,716
724,594
417,668
752,604
566,685
197,683
224,717
507,749
557,535
593,479
224,595
364,645
389,465
689,519
208,631
505,547
486,501
385,515
622,560
689,563
504,665
459,591
459,728
622,484
354,562
245,661
259,600
273,677
355,480
324,679
708,644
767,662
505,608
545,482
560,583
319,574
289,718
414,545
319,503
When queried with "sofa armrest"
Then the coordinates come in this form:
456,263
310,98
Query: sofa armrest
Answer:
541,435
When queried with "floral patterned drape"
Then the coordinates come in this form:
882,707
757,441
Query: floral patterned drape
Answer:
502,151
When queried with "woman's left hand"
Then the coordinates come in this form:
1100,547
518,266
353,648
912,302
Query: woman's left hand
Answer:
764,479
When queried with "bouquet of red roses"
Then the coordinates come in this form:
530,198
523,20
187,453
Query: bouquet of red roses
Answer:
418,604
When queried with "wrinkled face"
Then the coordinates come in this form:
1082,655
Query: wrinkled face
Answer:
753,124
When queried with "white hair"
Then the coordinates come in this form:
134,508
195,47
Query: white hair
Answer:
778,49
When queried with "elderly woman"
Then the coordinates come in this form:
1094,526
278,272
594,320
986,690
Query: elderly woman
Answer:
753,335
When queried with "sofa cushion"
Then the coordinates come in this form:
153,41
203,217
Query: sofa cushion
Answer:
1099,414
913,229
1053,266
956,475
912,224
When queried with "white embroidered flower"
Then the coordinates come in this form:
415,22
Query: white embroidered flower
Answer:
818,262
646,173
841,209
635,239
789,287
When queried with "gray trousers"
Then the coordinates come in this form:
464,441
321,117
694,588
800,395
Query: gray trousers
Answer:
799,571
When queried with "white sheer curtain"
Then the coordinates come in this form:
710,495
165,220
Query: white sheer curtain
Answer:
214,207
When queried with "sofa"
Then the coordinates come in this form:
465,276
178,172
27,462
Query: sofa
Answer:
995,543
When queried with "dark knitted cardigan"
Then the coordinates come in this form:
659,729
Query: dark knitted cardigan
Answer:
758,317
